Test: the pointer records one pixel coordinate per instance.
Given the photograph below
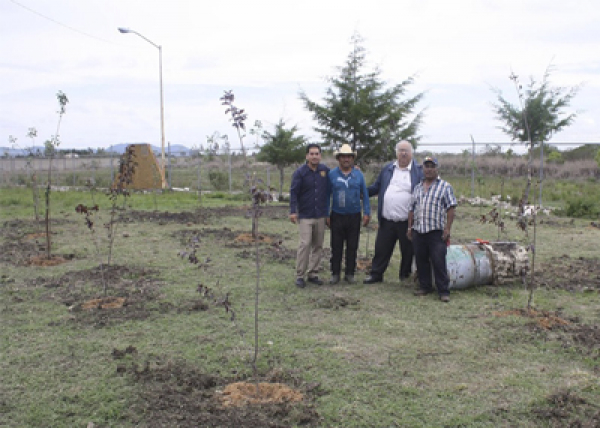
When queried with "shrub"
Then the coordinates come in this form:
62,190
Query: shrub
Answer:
581,207
219,180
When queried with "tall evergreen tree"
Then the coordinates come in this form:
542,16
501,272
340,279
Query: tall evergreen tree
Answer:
282,148
359,110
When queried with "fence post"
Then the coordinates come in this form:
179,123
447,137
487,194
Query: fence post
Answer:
112,169
541,170
199,188
170,169
229,160
473,169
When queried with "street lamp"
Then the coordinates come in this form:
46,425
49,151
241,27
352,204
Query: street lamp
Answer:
162,114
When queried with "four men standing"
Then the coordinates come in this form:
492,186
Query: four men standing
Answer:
411,197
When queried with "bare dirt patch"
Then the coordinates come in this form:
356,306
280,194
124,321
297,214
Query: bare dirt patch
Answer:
544,319
164,217
567,409
273,252
23,247
132,293
174,393
581,338
270,247
43,260
572,274
202,215
336,301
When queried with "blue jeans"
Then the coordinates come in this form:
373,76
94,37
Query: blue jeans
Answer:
430,254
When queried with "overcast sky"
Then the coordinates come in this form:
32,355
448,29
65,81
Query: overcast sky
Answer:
266,51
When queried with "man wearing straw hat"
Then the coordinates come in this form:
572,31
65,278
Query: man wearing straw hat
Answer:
349,207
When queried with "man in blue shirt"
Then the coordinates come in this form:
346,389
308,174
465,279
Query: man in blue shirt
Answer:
348,188
394,185
430,219
309,207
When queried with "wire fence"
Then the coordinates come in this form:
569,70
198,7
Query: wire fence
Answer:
227,172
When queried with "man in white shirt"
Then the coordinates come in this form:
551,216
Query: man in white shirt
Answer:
394,185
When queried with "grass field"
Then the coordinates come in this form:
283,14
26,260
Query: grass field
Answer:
362,356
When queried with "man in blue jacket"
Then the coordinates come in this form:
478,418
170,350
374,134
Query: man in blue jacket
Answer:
309,207
394,185
349,207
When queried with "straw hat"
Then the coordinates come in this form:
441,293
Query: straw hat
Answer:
345,150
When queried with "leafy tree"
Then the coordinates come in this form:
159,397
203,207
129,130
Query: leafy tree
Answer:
597,158
360,111
556,157
539,115
282,148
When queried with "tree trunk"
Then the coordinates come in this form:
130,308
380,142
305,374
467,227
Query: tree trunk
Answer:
280,182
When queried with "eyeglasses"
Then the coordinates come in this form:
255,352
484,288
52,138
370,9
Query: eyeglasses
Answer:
429,166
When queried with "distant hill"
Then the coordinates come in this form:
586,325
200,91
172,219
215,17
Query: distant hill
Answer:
176,150
19,152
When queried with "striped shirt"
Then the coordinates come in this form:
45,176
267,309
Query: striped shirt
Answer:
429,208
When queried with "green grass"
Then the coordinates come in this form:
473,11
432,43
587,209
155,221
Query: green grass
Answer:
389,360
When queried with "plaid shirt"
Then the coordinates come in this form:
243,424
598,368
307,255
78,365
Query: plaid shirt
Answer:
429,209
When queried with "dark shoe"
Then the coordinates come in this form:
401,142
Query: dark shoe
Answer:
300,283
315,280
445,298
404,277
372,280
334,279
350,279
420,292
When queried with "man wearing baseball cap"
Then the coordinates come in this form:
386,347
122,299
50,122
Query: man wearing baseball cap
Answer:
430,218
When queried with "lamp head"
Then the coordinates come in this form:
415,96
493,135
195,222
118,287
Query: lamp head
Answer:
124,30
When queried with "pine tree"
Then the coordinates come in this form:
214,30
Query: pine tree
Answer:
359,110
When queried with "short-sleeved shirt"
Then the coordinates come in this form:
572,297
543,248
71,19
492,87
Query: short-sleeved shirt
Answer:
429,208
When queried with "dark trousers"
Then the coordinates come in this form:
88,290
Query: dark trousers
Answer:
430,252
344,228
388,234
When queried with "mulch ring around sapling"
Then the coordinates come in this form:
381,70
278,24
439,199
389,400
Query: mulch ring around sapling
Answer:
174,392
23,247
132,293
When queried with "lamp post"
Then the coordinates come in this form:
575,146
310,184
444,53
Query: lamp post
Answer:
162,114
